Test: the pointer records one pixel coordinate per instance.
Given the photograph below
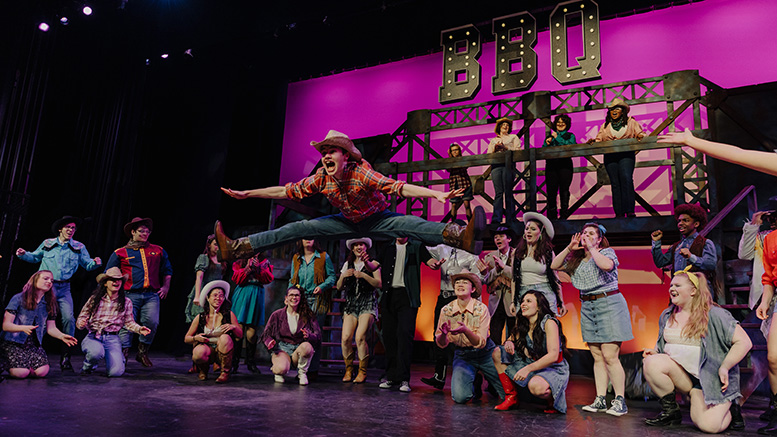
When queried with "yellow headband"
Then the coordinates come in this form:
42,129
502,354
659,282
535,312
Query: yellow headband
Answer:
687,271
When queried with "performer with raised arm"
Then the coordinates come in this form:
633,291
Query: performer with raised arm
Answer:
61,256
350,184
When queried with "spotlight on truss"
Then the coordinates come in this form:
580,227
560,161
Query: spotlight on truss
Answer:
165,55
87,10
44,27
64,21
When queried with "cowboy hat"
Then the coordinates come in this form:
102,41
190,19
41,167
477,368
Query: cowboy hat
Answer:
111,273
59,224
210,286
504,120
136,223
618,102
477,286
547,226
341,140
367,242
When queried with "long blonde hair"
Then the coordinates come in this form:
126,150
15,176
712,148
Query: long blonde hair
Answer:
700,305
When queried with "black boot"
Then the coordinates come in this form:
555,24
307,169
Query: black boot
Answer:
251,357
478,386
64,363
769,429
438,380
737,421
771,410
236,357
670,412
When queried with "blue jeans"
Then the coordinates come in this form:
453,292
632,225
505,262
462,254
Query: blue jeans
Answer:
620,169
65,303
108,347
145,309
466,363
385,224
502,177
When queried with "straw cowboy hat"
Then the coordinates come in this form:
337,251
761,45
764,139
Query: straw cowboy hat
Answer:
136,223
210,286
471,277
367,242
547,226
112,273
341,140
504,120
619,103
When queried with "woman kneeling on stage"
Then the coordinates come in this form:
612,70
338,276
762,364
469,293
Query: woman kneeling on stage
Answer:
215,331
291,335
464,322
698,350
532,357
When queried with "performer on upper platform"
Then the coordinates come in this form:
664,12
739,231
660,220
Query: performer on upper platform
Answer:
148,273
692,249
559,171
350,184
620,166
765,162
698,352
459,179
501,175
604,314
61,256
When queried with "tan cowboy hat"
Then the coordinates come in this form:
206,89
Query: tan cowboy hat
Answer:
341,140
112,273
210,286
504,120
367,242
471,277
136,223
547,226
619,102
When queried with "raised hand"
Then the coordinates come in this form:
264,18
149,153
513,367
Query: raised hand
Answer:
656,235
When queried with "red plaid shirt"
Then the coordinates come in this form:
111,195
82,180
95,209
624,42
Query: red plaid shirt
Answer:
106,317
361,192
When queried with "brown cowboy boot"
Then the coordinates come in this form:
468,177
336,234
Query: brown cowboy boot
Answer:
467,238
231,249
203,369
226,366
348,368
362,376
142,356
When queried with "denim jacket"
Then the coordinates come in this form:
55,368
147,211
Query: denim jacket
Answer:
714,347
62,260
38,316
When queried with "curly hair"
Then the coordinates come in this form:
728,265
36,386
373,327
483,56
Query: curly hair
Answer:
523,326
694,211
565,118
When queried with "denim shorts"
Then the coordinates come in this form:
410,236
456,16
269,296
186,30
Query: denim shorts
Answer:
282,346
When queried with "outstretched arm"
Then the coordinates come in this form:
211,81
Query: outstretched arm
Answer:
410,190
764,162
277,192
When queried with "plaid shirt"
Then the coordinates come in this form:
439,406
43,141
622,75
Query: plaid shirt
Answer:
590,279
106,318
361,192
459,178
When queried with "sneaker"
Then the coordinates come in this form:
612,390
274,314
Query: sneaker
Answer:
618,407
404,387
303,379
279,378
386,384
599,405
87,371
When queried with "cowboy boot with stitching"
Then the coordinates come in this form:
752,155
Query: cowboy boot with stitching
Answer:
142,356
467,238
511,393
226,365
348,367
231,249
362,375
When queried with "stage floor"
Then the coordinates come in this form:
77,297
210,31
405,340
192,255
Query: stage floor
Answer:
165,401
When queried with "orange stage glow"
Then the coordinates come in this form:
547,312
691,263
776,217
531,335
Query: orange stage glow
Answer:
640,283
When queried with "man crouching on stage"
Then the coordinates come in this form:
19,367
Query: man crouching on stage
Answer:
350,184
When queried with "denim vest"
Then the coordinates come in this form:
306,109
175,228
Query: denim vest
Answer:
38,316
714,347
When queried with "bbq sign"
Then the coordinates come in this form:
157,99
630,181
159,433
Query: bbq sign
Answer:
516,60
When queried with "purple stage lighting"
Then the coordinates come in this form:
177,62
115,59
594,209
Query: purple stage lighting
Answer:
165,55
87,10
43,27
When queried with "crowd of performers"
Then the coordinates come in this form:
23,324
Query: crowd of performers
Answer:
514,340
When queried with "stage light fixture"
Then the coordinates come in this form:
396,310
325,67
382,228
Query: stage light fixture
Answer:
87,10
165,55
64,21
43,27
